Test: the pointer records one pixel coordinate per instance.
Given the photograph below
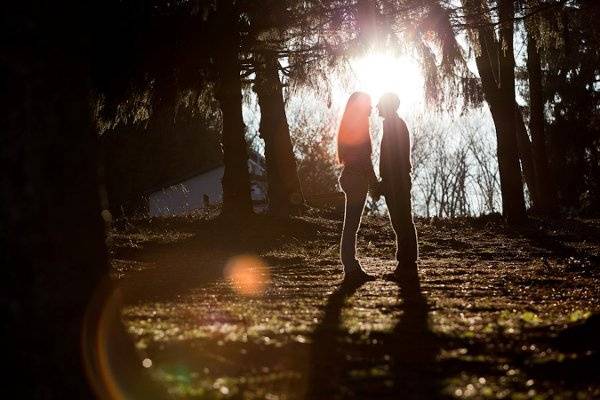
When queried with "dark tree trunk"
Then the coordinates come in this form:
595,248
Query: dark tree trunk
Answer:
52,230
285,193
236,180
512,186
496,69
513,203
52,233
526,157
548,202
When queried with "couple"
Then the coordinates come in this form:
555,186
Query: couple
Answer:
358,178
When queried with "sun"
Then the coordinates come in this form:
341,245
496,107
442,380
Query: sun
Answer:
378,73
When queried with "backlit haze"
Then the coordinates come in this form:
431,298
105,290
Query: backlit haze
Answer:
378,73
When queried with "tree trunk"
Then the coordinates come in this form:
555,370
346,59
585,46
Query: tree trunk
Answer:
496,69
548,202
512,186
526,157
285,193
503,115
513,203
52,232
236,179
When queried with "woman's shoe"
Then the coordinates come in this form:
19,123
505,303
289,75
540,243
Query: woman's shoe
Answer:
357,275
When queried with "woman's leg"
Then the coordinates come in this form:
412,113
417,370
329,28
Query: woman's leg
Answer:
355,188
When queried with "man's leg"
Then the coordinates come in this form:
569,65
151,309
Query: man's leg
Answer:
406,235
410,237
396,220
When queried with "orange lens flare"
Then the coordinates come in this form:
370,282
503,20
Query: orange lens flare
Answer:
102,332
114,368
248,275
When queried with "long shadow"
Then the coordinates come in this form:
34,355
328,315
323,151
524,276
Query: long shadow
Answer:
539,236
327,362
576,372
409,350
413,346
582,368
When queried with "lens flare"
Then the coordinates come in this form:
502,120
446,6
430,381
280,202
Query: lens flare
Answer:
248,275
101,330
115,369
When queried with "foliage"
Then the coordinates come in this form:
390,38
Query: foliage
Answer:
142,157
158,55
313,128
572,94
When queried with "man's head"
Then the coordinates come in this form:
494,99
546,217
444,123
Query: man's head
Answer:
388,105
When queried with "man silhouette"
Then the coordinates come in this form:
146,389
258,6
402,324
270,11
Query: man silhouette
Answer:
395,169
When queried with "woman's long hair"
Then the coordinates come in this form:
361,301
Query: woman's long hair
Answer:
353,139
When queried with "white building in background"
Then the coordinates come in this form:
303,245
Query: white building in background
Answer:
203,188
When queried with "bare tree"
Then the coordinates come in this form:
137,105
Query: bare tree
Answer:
454,168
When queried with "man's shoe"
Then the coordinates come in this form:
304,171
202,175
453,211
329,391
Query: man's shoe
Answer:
403,273
392,276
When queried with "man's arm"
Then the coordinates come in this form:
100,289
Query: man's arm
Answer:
405,147
382,153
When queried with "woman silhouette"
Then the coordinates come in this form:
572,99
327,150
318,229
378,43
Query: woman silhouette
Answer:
358,176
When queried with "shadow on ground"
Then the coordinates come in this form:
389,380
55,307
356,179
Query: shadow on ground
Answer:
494,313
399,362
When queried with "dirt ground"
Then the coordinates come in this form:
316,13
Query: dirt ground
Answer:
499,312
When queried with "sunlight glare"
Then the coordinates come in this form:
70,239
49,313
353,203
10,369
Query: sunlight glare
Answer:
378,73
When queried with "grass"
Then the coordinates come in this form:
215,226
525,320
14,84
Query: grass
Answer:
501,312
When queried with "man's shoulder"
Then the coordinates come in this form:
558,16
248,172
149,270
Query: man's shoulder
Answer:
402,127
395,123
401,122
